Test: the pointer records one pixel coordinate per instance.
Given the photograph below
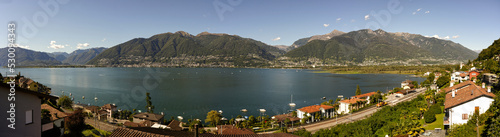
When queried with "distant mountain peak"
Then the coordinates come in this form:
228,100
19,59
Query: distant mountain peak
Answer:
326,36
184,34
208,33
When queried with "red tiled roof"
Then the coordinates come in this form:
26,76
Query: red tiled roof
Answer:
131,124
153,132
365,95
459,85
108,106
465,94
174,125
149,116
56,114
314,108
351,101
92,109
231,130
283,117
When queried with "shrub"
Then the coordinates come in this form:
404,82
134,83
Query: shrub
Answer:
436,109
429,117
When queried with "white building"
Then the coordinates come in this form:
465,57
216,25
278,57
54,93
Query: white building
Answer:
405,83
324,110
459,76
462,100
347,105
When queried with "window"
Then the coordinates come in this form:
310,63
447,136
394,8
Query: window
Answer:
476,109
465,116
29,117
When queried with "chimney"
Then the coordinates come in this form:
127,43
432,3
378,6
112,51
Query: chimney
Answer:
489,88
451,83
484,85
453,93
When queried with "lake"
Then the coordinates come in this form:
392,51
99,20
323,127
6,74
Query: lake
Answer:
192,92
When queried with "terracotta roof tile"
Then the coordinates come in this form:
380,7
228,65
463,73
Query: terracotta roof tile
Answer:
314,108
365,95
56,114
465,94
351,101
149,116
108,106
283,117
459,85
231,130
175,125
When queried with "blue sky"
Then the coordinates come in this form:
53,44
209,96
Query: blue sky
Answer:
72,24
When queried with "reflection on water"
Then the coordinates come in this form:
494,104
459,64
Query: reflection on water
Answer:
196,91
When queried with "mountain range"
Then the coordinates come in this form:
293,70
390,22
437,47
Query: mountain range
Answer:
181,49
368,47
27,57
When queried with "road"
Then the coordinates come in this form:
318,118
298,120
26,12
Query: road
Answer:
357,115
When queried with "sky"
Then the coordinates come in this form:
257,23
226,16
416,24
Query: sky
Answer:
68,25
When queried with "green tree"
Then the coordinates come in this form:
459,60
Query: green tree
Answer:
443,80
213,117
251,120
294,113
75,123
429,116
431,77
492,124
65,102
358,90
149,105
231,121
46,114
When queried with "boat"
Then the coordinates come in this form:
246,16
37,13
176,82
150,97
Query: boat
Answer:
323,98
244,110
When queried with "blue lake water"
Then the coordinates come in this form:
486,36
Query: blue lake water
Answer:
192,92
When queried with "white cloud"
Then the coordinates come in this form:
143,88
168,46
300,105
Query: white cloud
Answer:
419,9
338,19
437,37
426,12
276,39
81,46
367,17
104,39
414,13
326,25
21,46
55,46
456,36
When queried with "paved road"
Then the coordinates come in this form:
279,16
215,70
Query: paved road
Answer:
357,115
102,125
